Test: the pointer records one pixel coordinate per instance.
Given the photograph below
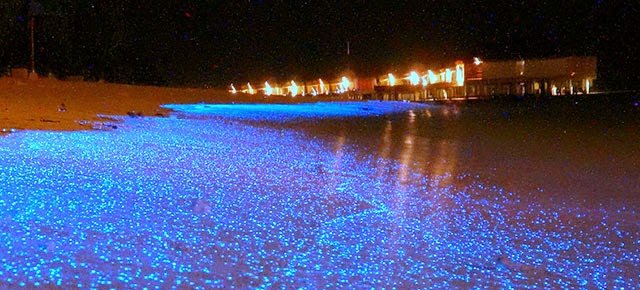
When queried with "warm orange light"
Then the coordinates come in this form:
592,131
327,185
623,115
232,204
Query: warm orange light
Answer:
233,89
477,61
588,86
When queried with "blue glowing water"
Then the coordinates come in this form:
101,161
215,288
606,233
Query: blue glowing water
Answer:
284,112
197,202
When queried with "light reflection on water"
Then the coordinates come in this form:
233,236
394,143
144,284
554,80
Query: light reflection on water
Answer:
541,162
524,155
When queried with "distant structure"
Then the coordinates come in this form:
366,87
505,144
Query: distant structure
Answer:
473,79
480,79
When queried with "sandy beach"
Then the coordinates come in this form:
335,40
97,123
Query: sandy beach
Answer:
49,104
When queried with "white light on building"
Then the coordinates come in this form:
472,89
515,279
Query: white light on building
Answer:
267,89
459,74
293,89
448,75
414,79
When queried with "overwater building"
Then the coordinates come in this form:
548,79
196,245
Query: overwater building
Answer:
479,79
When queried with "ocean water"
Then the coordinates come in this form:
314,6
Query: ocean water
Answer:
361,194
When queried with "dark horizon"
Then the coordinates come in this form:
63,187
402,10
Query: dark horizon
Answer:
203,42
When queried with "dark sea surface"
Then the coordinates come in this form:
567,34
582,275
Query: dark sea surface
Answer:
578,148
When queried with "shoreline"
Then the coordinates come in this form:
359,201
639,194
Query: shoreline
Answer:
55,105
48,104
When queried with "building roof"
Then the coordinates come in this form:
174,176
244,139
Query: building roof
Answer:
551,68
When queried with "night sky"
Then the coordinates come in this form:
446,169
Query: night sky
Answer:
218,42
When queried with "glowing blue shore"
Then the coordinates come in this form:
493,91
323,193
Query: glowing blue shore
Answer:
283,112
164,202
